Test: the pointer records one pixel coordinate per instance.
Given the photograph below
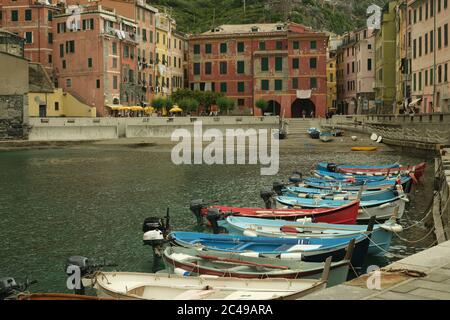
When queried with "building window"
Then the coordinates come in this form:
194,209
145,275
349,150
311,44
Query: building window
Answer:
50,16
70,46
420,46
50,58
223,48
420,81
89,62
223,87
144,35
114,62
294,83
278,63
98,83
265,85
439,74
241,86
223,67
114,48
446,72
279,45
64,64
278,85
196,69
369,64
431,77
240,67
313,83
29,37
68,83
61,50
295,63
431,41
56,106
196,49
114,82
313,63
414,82
208,67
414,48
240,47
439,37
313,45
28,15
50,37
426,78
446,35
265,64
208,48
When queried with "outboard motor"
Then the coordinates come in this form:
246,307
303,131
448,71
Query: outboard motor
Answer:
296,178
155,232
332,167
196,208
79,267
278,187
213,217
267,196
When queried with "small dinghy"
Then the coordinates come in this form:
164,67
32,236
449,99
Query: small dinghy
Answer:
326,136
314,133
367,149
381,235
160,286
321,174
387,183
310,250
192,262
343,215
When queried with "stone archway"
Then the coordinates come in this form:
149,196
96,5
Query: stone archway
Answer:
300,105
274,107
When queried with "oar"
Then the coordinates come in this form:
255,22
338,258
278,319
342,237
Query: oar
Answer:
206,257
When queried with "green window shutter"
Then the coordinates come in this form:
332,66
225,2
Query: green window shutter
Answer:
61,50
278,85
240,67
295,63
294,83
279,45
89,62
50,16
196,49
208,68
241,86
313,44
265,85
223,87
28,15
14,15
262,45
278,64
223,48
240,47
313,83
265,64
29,37
313,63
196,69
223,67
296,45
208,49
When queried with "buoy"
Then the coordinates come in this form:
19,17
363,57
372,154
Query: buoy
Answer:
374,137
380,139
354,138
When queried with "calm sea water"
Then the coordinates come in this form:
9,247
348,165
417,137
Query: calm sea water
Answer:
92,200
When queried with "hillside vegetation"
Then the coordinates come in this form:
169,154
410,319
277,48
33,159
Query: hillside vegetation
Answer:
337,16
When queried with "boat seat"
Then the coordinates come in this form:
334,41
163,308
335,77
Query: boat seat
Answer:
194,294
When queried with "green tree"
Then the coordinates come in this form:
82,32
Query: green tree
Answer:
262,105
225,104
188,104
159,103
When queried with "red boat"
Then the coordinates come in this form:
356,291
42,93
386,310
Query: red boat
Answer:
417,170
342,215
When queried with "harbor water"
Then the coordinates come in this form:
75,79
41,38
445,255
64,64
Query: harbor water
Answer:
91,200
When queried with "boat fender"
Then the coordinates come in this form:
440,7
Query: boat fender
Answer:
250,254
182,272
304,220
153,235
291,256
374,137
339,198
250,233
392,227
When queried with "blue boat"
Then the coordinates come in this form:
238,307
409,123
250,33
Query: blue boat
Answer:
381,235
313,133
325,166
329,175
356,186
310,250
326,136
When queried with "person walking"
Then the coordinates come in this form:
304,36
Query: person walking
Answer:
312,114
304,114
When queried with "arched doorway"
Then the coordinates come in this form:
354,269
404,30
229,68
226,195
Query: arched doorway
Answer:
300,105
274,108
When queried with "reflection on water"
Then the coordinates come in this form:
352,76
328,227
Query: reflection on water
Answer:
91,201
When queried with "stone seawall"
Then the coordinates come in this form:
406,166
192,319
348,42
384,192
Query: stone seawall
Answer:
81,129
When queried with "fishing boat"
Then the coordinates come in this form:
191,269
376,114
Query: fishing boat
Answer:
310,250
160,286
191,262
381,235
343,215
392,169
382,209
367,149
387,183
326,136
314,133
329,175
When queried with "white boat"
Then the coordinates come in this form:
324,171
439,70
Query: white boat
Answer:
161,286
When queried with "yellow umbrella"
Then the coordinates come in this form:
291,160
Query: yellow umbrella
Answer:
149,109
137,108
176,109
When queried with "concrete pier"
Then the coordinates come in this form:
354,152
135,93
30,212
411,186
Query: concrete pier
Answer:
422,276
